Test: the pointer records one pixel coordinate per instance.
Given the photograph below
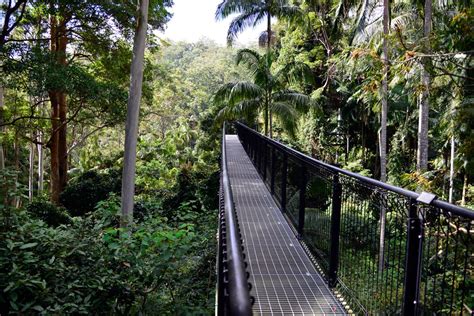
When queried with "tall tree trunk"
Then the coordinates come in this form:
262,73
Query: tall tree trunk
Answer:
40,162
53,143
31,171
422,153
383,128
16,159
58,142
269,43
451,171
2,129
62,108
133,108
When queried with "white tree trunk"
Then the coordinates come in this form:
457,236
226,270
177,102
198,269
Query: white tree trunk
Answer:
451,172
464,190
424,108
31,172
133,108
39,147
383,129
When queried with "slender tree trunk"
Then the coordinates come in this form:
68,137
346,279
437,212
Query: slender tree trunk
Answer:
16,159
451,171
62,109
383,128
31,173
53,148
269,43
2,129
265,118
40,163
133,108
54,140
464,190
384,112
423,123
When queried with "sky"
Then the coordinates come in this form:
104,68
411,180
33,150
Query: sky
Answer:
194,19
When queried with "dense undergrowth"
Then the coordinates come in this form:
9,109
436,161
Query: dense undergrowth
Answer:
75,259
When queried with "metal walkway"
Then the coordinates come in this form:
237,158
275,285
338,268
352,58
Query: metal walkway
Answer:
283,277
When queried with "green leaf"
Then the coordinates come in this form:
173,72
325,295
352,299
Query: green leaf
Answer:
29,245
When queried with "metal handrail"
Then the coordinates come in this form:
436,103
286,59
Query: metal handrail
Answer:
455,209
234,290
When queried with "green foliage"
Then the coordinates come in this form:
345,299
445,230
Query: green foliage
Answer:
87,267
48,212
83,192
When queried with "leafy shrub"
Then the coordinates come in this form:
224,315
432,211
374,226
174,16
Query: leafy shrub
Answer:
83,193
49,213
91,268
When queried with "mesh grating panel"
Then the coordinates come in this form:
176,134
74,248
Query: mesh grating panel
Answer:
284,280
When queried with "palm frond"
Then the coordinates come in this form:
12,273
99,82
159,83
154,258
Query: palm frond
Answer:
283,109
230,7
287,116
244,90
234,92
299,101
241,22
222,95
249,57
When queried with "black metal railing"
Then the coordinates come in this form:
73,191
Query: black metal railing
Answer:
384,249
233,288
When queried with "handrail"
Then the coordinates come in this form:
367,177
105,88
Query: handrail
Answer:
455,209
233,292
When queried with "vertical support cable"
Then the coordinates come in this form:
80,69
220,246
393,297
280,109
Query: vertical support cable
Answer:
302,204
335,230
272,175
413,261
283,182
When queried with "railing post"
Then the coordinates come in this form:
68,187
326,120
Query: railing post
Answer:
273,169
335,230
413,261
301,213
283,182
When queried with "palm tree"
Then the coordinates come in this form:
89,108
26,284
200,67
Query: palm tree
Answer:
250,13
266,93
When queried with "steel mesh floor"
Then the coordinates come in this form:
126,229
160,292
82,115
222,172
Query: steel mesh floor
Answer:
284,280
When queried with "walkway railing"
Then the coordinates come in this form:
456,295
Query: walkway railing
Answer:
233,296
384,249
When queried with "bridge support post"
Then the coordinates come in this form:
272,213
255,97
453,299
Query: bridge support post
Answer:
302,204
413,262
283,182
335,230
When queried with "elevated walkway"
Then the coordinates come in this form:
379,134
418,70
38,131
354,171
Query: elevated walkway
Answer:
284,280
